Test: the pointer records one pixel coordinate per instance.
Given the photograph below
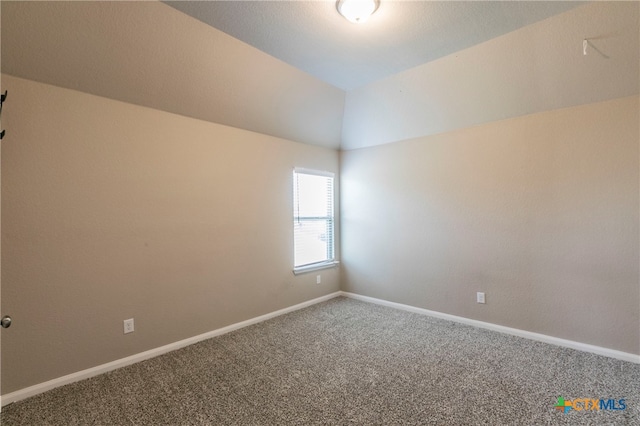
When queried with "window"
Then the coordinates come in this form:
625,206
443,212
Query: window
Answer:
313,225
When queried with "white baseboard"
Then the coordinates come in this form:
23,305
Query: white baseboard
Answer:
624,356
94,371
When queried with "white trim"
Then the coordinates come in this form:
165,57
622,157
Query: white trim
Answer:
611,353
123,362
315,267
94,371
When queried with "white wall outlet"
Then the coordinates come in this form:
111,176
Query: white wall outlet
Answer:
318,279
128,326
480,297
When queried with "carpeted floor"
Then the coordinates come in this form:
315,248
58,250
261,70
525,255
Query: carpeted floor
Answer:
347,362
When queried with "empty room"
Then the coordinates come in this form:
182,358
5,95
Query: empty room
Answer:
368,212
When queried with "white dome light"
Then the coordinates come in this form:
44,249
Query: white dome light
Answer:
357,11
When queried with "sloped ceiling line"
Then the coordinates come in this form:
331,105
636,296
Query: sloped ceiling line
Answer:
417,68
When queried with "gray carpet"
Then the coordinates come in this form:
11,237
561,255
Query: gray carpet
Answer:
346,362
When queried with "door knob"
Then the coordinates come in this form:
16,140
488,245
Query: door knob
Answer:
5,322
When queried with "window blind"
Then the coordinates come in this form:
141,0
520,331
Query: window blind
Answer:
313,221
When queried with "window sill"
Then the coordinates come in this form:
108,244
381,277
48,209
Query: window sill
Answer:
315,267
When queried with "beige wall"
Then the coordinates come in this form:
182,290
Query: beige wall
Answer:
540,212
113,211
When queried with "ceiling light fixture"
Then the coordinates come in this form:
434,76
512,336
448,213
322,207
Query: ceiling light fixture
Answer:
357,11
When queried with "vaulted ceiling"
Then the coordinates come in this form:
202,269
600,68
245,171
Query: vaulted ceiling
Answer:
313,37
298,70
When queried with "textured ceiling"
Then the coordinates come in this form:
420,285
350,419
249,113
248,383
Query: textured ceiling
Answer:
313,37
540,67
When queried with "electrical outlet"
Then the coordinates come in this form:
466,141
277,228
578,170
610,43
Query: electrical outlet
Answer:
128,326
318,279
480,297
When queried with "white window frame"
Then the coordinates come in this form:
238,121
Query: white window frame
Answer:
330,261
